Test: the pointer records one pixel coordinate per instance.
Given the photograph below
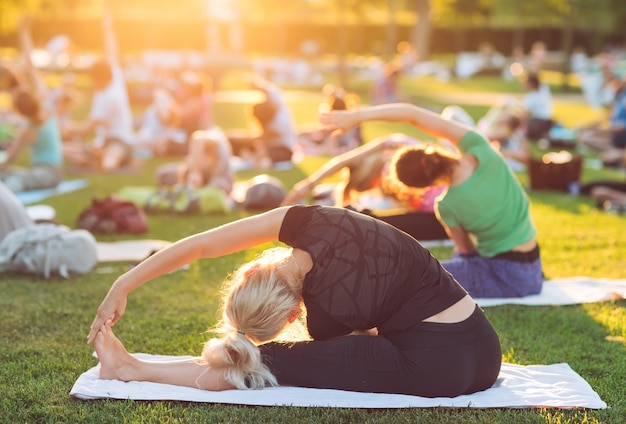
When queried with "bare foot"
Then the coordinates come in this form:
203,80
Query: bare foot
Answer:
115,362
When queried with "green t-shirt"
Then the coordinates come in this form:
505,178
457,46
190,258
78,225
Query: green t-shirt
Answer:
491,204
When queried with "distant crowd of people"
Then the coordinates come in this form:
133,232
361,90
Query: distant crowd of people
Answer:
178,122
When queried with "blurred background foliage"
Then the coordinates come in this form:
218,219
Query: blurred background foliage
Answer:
358,26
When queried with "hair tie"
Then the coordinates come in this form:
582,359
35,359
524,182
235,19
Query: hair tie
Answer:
241,332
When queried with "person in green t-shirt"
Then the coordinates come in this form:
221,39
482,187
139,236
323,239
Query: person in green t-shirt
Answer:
485,209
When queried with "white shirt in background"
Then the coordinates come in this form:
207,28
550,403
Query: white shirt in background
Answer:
111,108
538,103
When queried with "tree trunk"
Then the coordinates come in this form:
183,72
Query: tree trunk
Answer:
421,31
567,38
392,29
342,44
518,39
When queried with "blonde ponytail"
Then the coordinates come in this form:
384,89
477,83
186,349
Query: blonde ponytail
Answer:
259,300
241,361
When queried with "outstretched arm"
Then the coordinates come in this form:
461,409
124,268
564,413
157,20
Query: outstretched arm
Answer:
220,241
26,46
423,119
304,187
110,42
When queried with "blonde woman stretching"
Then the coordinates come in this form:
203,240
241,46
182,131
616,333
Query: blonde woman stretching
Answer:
485,210
383,315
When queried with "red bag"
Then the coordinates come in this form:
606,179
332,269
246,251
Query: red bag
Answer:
113,215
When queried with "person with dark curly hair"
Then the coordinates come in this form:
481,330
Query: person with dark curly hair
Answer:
485,209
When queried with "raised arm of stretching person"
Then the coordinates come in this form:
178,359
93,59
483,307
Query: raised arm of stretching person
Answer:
116,362
425,120
303,188
220,241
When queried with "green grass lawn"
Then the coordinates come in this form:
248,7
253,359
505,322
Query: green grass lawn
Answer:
43,324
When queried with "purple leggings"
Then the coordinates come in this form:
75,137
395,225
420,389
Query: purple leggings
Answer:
496,277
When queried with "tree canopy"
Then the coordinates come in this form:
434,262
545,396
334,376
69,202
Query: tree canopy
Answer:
597,16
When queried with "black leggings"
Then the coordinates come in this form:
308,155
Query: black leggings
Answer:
429,359
423,226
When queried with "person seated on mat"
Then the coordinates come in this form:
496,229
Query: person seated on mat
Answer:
609,195
386,87
503,120
317,142
179,107
538,108
194,98
207,163
511,142
504,125
485,210
382,314
110,116
66,98
158,131
611,141
41,135
368,170
276,136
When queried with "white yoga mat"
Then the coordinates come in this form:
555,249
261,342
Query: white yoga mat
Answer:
37,212
128,250
239,164
567,291
518,386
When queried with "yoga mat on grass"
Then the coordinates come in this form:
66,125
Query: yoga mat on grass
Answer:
40,212
239,164
127,169
128,250
567,291
137,250
34,196
518,386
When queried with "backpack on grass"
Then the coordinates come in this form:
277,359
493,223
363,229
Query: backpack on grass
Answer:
47,249
113,215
